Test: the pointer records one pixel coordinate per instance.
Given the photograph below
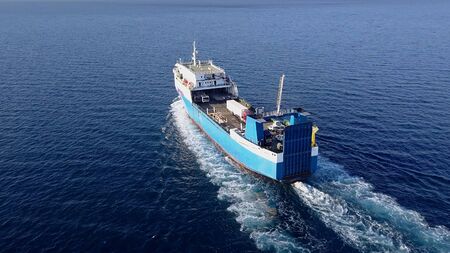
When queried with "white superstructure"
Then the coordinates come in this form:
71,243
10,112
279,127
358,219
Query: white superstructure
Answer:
197,75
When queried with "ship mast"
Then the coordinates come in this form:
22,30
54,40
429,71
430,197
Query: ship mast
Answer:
194,54
280,93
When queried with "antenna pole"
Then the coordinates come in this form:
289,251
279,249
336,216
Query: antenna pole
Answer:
280,93
194,54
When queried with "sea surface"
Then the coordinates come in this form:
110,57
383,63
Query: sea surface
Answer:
98,155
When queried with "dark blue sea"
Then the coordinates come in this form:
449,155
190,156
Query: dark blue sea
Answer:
97,154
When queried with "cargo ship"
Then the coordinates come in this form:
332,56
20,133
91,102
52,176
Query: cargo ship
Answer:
279,144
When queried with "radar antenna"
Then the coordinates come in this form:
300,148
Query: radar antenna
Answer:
280,93
194,54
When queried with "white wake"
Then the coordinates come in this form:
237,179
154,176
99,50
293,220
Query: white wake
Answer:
367,219
354,227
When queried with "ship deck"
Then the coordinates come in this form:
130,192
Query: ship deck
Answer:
203,67
219,112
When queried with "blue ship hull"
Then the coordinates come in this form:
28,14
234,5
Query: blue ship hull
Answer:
239,153
279,145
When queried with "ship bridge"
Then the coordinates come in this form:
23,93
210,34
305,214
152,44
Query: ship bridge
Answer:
201,75
203,81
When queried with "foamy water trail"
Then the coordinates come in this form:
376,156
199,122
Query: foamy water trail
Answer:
354,227
249,200
347,203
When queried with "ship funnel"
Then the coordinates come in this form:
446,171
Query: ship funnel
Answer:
280,93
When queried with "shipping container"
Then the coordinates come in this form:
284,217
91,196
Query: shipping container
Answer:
237,108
